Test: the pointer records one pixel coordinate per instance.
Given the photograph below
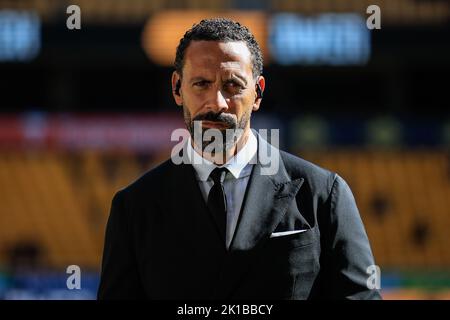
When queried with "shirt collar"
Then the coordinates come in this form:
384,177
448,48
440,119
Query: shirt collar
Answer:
235,165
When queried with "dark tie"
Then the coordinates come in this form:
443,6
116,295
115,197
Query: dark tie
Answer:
217,200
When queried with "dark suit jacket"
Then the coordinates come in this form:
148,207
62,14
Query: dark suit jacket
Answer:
162,243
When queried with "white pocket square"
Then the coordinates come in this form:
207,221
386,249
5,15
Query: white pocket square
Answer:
286,233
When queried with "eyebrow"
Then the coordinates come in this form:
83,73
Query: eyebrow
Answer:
198,78
234,76
237,75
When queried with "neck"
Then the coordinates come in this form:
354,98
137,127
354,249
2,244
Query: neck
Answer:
224,157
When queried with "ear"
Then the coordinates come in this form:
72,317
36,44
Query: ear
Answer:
262,84
178,97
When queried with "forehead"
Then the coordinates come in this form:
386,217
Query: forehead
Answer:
217,55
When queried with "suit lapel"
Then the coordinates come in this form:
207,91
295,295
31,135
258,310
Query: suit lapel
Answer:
196,248
265,203
194,211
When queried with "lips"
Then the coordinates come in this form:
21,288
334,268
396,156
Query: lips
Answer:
214,124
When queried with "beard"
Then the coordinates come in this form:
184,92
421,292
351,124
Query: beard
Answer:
222,139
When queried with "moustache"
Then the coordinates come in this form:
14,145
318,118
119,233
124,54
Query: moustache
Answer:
224,118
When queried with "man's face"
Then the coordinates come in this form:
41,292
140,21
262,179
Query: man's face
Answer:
218,88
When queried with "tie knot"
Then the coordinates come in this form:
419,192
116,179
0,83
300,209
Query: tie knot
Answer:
218,175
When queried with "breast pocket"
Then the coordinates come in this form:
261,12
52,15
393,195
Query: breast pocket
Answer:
294,253
292,262
295,240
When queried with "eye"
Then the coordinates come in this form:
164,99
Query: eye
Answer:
233,85
201,83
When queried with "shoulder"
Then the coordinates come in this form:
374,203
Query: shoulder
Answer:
316,177
148,184
319,183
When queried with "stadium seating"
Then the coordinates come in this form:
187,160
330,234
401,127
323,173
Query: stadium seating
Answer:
61,201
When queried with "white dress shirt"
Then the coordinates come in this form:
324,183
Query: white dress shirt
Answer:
235,183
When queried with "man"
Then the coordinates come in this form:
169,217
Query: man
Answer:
222,226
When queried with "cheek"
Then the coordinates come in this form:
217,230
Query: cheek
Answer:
192,103
243,104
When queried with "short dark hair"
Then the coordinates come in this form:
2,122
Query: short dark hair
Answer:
220,29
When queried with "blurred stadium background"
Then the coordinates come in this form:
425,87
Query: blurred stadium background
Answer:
85,112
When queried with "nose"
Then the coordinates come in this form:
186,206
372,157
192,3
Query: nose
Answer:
216,102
